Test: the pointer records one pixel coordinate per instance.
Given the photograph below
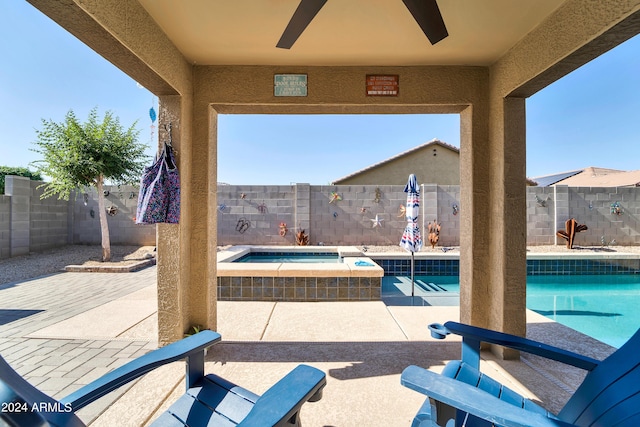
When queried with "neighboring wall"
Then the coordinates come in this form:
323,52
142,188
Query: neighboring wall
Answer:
85,224
5,226
350,219
591,206
330,215
31,224
252,213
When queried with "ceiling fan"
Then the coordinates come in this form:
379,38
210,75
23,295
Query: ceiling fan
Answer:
425,12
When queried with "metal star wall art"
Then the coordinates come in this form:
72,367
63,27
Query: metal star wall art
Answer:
377,221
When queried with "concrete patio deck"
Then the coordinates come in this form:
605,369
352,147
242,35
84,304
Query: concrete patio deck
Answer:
64,330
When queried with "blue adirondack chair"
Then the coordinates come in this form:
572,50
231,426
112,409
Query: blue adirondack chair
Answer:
609,396
209,399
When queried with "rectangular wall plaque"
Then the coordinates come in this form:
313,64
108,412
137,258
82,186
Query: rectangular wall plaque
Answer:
290,85
382,85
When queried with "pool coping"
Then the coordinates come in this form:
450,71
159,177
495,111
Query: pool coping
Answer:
348,268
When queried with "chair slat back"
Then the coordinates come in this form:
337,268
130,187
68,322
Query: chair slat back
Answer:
610,394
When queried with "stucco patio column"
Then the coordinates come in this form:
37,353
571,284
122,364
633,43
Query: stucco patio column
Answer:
508,273
474,221
186,255
493,217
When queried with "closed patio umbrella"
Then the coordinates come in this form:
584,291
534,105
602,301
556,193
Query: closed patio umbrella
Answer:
411,239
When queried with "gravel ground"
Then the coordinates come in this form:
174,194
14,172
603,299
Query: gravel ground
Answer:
52,261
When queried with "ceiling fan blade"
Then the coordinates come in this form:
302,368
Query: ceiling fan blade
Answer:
302,17
427,15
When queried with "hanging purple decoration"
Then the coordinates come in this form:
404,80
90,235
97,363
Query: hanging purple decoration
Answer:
152,114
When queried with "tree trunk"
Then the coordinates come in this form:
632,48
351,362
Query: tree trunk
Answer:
104,225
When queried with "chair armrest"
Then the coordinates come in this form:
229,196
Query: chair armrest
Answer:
473,400
190,347
285,398
474,335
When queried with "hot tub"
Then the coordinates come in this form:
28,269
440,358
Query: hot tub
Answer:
285,257
352,277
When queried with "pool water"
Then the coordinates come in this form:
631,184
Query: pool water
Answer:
277,257
606,307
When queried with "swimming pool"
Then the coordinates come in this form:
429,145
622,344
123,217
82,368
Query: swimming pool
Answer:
606,307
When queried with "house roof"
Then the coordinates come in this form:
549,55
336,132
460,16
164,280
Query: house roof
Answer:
547,180
398,156
600,177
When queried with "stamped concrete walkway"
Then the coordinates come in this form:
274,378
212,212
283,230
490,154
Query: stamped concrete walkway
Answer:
64,330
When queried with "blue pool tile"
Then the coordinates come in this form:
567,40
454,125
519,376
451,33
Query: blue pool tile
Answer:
431,267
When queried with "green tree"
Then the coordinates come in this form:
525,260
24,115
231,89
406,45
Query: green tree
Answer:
80,155
17,171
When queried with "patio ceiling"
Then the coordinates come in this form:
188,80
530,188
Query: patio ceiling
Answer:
345,32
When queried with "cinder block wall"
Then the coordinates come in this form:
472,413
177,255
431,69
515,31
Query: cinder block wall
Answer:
350,218
251,214
19,188
448,197
48,222
541,215
549,207
595,210
330,215
5,226
30,224
85,224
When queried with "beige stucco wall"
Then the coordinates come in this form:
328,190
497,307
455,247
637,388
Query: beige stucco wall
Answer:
578,32
490,101
433,164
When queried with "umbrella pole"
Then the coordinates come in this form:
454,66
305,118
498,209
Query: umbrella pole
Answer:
412,282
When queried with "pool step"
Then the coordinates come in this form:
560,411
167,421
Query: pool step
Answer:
430,287
425,286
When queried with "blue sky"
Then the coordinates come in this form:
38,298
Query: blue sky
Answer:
589,118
